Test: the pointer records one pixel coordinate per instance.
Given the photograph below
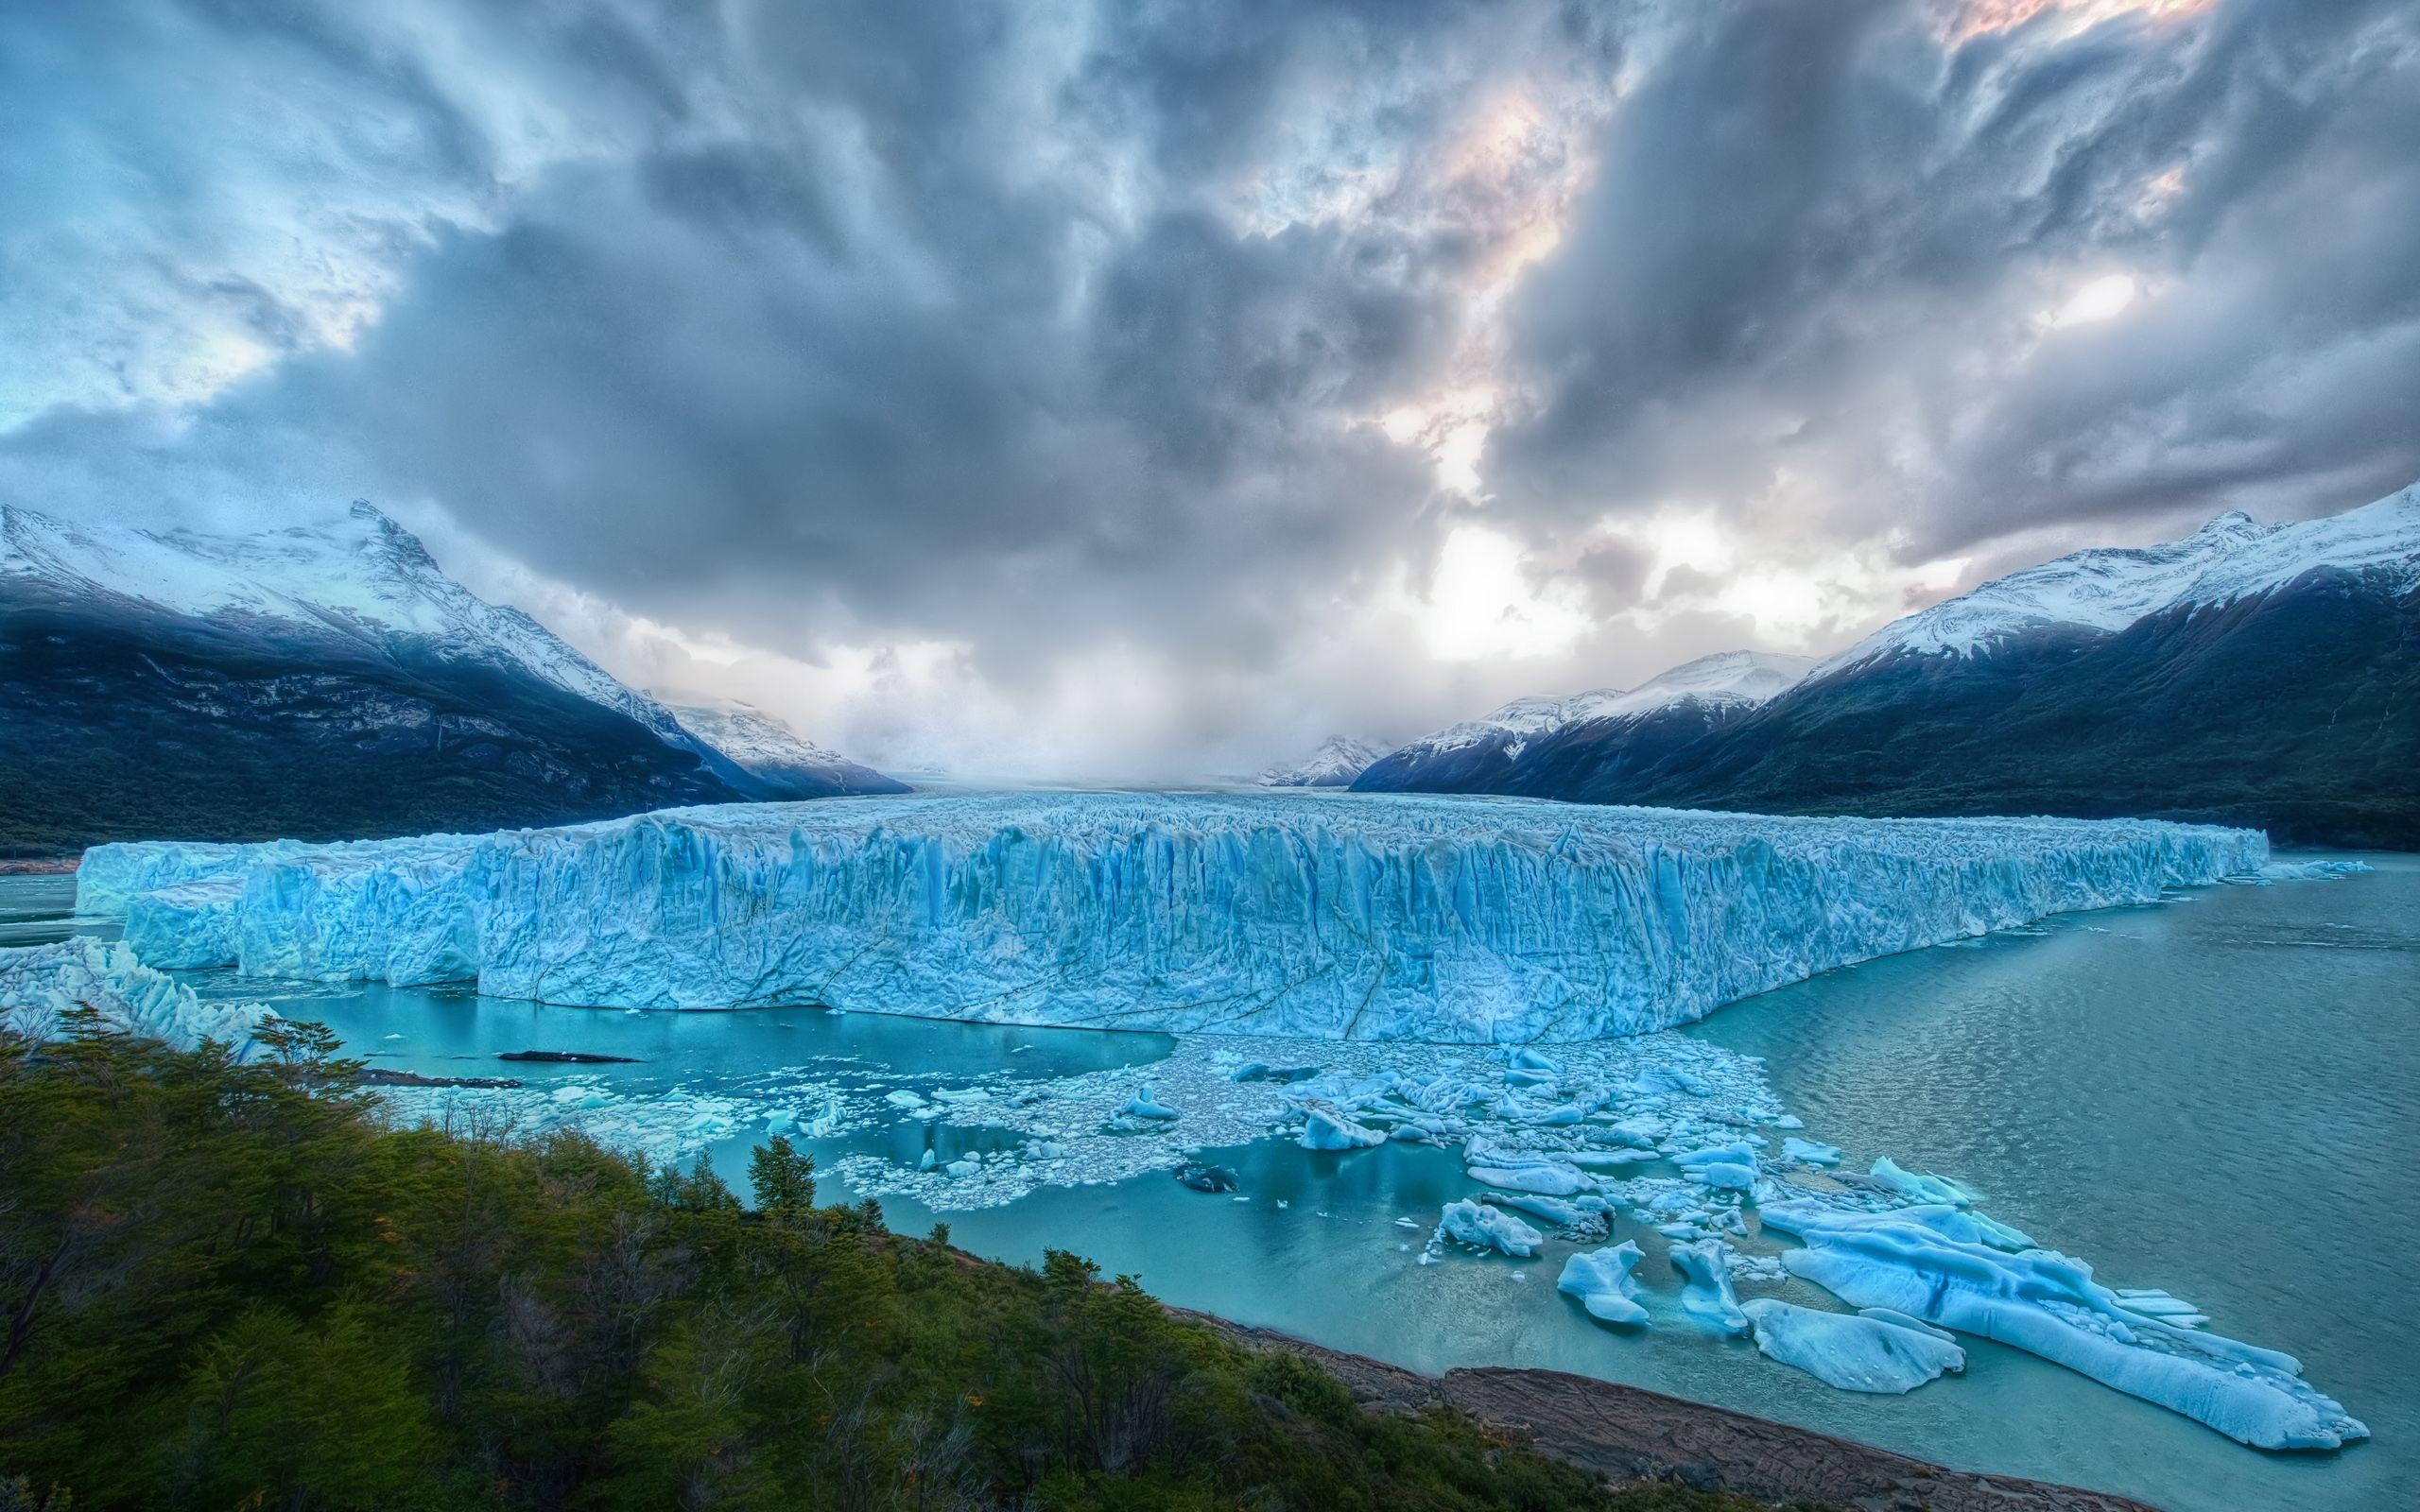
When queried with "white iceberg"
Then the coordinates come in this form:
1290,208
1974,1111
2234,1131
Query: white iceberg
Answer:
1878,1351
1395,917
1601,1281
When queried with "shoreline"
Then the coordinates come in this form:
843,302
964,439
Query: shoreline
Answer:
1628,1434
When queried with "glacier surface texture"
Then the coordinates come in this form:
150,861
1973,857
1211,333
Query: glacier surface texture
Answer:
1369,917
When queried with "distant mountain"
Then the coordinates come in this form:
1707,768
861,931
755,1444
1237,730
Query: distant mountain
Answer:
313,682
787,764
1539,745
1335,763
2263,675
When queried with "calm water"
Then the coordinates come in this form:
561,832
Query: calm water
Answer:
2216,1097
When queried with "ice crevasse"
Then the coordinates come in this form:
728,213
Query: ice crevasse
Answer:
1365,916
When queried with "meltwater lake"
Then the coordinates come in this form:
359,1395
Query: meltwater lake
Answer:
2212,1095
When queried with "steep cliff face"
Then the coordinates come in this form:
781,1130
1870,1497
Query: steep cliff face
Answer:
1443,919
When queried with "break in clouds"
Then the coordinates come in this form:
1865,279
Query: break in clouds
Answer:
1118,390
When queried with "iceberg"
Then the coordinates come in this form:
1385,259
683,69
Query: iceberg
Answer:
1488,1228
41,984
1601,1281
1879,1350
1326,1128
1930,1265
1706,1293
1145,1104
1363,917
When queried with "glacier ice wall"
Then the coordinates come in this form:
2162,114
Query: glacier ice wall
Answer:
1391,917
39,984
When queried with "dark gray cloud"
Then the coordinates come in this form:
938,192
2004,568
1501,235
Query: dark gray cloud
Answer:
1807,275
1071,331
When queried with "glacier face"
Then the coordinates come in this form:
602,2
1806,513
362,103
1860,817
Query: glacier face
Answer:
41,984
1449,919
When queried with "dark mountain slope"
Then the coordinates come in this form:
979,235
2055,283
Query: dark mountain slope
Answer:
122,721
2297,711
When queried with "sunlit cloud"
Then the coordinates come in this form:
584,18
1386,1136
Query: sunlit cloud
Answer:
2102,299
1483,600
1975,18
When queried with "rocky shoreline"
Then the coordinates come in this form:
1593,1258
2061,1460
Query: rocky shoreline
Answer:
1627,1434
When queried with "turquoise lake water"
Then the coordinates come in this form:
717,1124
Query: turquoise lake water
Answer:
2216,1095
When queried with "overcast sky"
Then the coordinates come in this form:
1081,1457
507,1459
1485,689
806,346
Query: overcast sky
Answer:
1137,390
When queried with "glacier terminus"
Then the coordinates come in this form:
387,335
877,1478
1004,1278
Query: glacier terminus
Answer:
1367,916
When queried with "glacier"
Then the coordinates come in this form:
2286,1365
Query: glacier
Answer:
1366,917
41,984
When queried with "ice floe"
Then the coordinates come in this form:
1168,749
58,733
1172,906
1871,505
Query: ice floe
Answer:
1923,1264
1602,1280
1876,1350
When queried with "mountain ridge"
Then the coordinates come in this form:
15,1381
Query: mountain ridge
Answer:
318,681
2244,674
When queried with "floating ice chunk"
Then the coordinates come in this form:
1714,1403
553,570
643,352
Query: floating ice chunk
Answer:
963,1167
1919,1186
1144,1105
1706,1292
973,1094
904,1099
1810,1152
1603,1282
1326,1128
2303,871
39,982
2044,1303
1609,1159
931,1159
1527,1059
1726,1167
1878,1351
1670,1079
1488,1227
1641,1130
1546,1180
1586,1213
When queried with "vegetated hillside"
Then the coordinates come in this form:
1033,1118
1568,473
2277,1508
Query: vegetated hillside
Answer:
118,721
231,1285
2297,711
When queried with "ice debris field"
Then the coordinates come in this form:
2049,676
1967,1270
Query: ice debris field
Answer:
1455,919
1438,919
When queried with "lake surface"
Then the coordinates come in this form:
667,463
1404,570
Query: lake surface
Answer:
2214,1095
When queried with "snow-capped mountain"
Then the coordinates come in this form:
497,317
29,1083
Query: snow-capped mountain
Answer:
1335,763
770,751
363,576
322,680
2230,559
2249,674
1486,755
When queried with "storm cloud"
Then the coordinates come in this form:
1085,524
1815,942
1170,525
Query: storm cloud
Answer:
1100,389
